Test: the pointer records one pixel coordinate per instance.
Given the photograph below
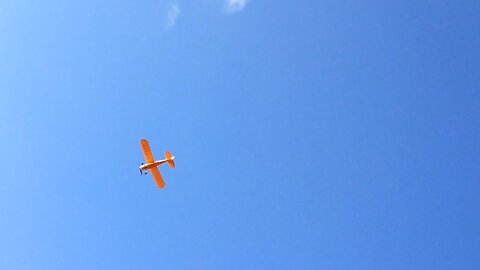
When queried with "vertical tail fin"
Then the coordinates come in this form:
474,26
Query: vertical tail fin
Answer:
169,158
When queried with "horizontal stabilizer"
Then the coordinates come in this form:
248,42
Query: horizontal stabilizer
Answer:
169,158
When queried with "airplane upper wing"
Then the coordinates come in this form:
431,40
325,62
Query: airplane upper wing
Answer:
146,151
158,177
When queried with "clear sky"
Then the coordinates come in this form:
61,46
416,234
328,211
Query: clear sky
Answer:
307,134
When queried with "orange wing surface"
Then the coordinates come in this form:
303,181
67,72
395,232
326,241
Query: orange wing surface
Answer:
146,151
158,177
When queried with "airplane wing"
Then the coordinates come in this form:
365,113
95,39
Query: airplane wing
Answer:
158,177
146,151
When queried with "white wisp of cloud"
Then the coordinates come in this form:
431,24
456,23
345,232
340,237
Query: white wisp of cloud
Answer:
235,5
172,15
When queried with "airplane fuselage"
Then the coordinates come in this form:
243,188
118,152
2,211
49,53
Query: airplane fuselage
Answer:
150,165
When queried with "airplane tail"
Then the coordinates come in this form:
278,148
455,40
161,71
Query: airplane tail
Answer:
169,158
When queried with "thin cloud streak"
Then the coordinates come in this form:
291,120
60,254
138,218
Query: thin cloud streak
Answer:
235,5
172,15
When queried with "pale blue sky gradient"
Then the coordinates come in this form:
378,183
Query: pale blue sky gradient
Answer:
307,135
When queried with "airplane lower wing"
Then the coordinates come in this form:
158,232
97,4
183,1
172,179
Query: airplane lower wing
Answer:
158,177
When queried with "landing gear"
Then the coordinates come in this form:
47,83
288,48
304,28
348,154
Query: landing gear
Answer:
141,169
141,172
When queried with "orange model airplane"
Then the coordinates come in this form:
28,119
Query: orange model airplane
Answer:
151,164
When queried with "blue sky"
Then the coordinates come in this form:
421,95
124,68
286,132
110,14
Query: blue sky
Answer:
307,134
